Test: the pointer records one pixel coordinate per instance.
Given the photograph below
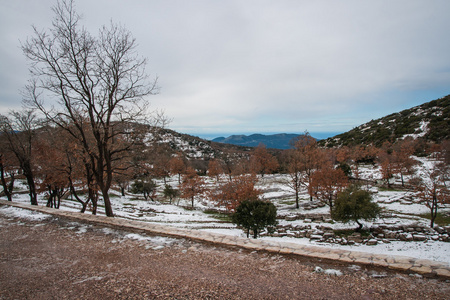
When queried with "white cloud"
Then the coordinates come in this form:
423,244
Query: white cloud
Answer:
260,65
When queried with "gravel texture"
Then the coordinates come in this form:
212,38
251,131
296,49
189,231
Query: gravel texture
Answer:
58,259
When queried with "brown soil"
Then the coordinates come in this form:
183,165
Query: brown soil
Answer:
58,259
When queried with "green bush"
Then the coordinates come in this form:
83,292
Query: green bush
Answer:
255,215
146,187
354,204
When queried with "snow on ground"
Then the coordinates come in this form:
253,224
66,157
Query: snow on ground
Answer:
10,211
400,208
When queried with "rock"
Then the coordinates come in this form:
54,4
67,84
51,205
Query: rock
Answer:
333,272
307,220
439,229
302,233
419,237
328,235
391,235
318,270
405,236
372,242
315,237
355,239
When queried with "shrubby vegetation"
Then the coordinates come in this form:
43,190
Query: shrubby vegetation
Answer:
355,204
255,215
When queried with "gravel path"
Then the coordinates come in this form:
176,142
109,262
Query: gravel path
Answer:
58,259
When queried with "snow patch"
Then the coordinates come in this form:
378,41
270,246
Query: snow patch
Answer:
16,212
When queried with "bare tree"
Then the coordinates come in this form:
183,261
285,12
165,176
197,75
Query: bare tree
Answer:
7,171
18,131
96,84
292,164
309,158
432,190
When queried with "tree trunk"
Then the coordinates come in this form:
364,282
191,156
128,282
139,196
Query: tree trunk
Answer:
360,225
433,210
108,207
255,233
50,198
94,199
6,187
32,189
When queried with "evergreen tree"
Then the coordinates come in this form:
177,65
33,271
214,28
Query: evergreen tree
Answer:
255,215
146,187
354,204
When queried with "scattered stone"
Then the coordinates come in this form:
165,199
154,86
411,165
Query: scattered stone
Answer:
354,267
328,235
372,242
333,272
419,237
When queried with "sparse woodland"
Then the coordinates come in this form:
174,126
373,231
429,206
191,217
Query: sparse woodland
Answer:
81,135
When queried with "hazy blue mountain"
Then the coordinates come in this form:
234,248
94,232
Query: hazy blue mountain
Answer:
276,141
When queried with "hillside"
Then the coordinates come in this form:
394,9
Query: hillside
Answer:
430,121
275,141
194,147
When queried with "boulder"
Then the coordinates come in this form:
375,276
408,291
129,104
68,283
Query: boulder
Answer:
419,237
328,235
372,242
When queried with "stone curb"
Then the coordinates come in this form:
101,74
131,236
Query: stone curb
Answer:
423,267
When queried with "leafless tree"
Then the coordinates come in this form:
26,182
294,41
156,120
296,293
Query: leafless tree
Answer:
18,130
91,86
431,189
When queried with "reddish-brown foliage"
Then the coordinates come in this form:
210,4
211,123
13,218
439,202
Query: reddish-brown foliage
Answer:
191,185
231,193
327,183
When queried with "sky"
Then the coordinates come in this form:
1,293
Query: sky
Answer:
257,66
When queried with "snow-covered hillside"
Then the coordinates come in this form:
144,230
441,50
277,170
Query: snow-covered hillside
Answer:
430,121
402,217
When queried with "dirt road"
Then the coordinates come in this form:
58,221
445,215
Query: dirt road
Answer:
58,259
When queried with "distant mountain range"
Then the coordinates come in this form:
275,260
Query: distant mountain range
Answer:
429,121
275,141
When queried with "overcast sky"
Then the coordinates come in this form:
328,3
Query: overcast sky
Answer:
236,66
